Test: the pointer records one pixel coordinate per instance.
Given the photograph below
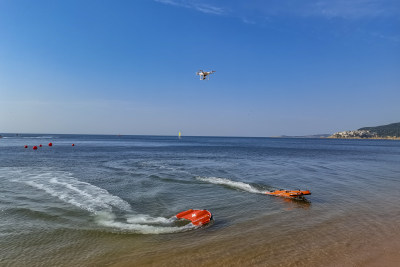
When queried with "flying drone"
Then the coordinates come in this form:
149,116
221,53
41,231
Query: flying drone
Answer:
204,74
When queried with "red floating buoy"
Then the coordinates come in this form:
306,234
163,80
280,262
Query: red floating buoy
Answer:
34,147
40,145
73,144
50,144
26,146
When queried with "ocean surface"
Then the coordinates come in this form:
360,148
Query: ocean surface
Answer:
111,201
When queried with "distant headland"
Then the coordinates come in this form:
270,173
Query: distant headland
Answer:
389,131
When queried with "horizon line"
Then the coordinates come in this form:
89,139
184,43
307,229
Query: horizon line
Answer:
221,136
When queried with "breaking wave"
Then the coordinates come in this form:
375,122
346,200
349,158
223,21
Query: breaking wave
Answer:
232,184
98,202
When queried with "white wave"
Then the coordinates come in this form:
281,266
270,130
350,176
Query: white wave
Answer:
162,166
230,183
83,195
97,201
108,219
146,219
127,165
34,137
29,137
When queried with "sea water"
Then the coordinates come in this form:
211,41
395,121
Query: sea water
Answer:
111,200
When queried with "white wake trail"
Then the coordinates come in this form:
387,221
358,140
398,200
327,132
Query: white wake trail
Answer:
97,201
67,188
230,183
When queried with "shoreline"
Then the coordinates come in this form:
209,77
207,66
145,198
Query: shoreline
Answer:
365,138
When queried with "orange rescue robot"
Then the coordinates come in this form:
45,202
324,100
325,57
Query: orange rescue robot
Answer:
288,193
197,217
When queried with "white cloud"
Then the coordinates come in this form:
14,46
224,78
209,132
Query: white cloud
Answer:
354,9
197,5
345,9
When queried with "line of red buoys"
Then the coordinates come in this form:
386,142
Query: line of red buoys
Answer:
36,147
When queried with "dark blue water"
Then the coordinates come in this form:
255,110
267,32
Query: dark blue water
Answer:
110,200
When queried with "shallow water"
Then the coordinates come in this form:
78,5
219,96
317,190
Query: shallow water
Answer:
110,200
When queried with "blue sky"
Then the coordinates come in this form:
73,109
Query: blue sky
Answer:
128,67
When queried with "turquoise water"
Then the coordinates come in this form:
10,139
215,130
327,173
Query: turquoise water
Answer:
110,200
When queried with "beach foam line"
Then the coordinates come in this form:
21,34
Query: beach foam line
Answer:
230,183
97,201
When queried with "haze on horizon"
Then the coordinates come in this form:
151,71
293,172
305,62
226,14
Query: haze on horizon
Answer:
128,67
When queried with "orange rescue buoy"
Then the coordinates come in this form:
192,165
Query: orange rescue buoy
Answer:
26,146
197,217
34,147
40,145
50,144
288,193
73,144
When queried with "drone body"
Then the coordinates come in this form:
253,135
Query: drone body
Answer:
204,74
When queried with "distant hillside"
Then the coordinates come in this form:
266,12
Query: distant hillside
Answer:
392,129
